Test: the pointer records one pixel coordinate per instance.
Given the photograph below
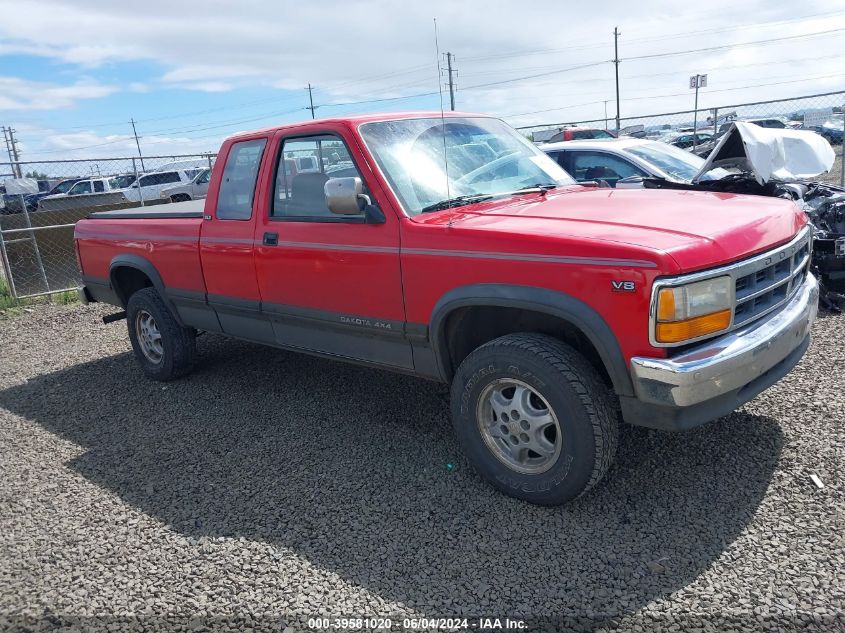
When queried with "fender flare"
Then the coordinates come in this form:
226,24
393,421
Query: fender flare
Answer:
551,302
145,266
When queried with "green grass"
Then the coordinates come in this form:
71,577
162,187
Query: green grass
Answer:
9,305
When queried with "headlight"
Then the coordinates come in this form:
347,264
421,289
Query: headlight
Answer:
693,310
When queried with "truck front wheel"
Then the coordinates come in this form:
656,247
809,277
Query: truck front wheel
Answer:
534,417
164,349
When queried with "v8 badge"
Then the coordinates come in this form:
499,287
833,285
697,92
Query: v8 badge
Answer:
623,286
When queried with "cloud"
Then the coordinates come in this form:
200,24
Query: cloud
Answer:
21,94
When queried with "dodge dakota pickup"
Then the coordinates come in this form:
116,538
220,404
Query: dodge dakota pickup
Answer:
450,247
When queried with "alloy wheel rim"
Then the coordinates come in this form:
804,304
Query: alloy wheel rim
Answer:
519,426
149,337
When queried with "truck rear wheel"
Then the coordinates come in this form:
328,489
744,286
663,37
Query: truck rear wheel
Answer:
164,349
534,417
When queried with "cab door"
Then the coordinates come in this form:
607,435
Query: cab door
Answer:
329,283
226,242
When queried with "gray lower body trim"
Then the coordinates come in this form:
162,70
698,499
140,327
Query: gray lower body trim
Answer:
100,290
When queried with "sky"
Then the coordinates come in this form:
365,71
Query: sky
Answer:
191,73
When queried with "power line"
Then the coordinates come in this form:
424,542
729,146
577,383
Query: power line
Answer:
737,45
585,46
678,94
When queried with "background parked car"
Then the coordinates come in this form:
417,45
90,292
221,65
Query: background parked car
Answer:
580,133
609,161
84,187
194,190
832,129
773,122
686,140
149,186
61,188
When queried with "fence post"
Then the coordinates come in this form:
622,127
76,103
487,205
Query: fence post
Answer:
209,163
7,267
35,244
138,181
842,153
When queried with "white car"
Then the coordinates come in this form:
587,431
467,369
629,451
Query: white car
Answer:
149,186
612,160
194,190
191,165
84,187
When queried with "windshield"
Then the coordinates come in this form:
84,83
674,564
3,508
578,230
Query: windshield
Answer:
484,156
676,163
122,182
63,187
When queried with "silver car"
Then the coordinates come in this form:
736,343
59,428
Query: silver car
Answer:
611,160
194,190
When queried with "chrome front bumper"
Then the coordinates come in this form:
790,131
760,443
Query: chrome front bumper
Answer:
726,364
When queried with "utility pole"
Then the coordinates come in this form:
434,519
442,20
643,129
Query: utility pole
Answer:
8,147
12,149
605,114
137,144
312,107
451,81
616,63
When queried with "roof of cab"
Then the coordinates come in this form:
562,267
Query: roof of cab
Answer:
357,119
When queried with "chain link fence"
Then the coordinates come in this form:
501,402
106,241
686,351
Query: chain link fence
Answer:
40,203
696,130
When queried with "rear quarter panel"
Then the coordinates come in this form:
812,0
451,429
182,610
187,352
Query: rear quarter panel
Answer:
171,245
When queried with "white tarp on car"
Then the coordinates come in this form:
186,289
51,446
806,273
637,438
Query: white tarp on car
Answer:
25,186
771,153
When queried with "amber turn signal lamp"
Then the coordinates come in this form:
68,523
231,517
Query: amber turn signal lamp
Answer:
691,328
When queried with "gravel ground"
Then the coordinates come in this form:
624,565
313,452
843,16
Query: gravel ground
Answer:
268,486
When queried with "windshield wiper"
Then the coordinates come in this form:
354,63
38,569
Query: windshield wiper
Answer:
458,201
479,197
536,188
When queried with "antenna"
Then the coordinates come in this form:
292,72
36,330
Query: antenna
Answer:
442,120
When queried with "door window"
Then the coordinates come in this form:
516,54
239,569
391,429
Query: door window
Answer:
80,187
237,185
99,186
304,166
602,167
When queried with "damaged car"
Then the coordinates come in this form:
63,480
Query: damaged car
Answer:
781,163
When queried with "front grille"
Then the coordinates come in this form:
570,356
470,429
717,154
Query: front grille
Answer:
769,280
762,284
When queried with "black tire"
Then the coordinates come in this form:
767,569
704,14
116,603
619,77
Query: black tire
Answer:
178,344
574,393
180,197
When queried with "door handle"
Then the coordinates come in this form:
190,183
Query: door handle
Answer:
271,239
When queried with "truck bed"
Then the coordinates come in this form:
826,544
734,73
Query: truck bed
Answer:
188,209
166,236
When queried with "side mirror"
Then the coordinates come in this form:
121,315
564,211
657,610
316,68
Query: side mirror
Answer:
344,196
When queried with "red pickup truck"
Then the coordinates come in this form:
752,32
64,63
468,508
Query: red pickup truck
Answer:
452,248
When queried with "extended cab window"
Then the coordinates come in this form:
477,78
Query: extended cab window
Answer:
305,165
237,186
99,186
